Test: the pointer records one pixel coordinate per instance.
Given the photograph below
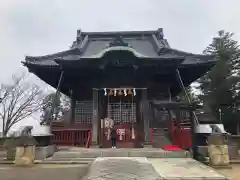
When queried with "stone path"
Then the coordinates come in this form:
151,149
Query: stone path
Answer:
117,168
121,168
40,172
184,168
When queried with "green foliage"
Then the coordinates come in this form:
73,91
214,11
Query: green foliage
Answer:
219,87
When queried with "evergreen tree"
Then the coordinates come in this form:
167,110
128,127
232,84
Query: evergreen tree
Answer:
219,86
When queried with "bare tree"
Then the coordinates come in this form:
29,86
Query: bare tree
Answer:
20,99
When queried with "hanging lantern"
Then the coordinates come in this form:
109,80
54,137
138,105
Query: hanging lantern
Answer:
129,92
105,91
125,92
108,133
134,91
111,92
133,133
120,92
115,92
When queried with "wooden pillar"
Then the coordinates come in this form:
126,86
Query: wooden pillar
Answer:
139,126
146,118
194,145
95,119
73,107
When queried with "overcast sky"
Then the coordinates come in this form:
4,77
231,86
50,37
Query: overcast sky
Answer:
39,27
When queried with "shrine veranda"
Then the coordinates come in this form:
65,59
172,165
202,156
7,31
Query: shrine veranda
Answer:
130,77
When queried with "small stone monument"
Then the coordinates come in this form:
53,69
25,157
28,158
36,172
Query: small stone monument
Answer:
218,150
25,148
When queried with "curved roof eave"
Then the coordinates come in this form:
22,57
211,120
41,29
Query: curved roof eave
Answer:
48,60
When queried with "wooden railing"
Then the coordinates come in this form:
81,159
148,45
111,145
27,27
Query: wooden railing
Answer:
70,137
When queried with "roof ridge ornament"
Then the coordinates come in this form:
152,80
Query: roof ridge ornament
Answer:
118,41
160,34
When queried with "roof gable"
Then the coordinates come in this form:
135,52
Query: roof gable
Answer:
147,43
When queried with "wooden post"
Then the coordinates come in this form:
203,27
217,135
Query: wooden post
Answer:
146,117
95,119
73,106
194,145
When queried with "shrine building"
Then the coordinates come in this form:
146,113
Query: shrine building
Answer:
129,77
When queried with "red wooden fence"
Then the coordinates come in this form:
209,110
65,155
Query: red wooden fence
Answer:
181,136
70,137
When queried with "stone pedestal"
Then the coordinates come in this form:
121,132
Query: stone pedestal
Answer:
25,155
218,150
147,145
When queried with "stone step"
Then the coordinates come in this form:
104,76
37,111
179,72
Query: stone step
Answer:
66,160
69,159
153,153
158,134
159,140
63,162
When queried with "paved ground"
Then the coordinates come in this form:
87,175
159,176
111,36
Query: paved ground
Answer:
233,173
122,168
184,168
118,168
50,172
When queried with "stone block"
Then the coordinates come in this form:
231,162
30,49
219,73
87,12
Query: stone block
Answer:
176,154
233,152
202,150
44,152
147,146
217,139
25,155
115,154
148,154
218,155
90,154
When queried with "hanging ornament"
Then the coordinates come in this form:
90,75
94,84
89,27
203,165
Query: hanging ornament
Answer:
133,133
120,92
105,91
115,92
111,92
134,92
125,92
129,91
108,133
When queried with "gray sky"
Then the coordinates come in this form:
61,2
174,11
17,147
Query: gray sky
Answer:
38,27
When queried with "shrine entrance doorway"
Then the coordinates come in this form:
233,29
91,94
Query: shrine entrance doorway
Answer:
121,111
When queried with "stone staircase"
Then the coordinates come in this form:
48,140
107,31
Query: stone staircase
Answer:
160,138
87,156
67,160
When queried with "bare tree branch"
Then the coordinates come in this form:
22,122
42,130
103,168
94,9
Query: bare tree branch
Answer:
21,99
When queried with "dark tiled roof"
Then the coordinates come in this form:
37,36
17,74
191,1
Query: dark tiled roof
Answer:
143,44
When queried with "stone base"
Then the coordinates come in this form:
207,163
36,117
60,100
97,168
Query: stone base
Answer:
94,145
45,152
147,146
25,156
